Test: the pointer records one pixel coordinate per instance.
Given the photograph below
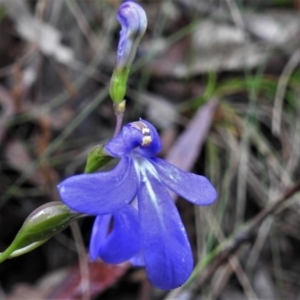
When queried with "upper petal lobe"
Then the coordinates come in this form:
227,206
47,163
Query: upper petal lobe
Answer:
132,138
155,146
125,142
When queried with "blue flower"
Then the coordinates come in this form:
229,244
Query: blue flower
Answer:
148,230
133,20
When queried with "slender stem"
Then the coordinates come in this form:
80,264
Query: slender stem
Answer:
21,251
83,262
119,122
119,112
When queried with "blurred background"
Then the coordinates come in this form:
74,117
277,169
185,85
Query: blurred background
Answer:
220,80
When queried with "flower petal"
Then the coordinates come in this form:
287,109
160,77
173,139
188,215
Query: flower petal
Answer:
127,140
116,147
125,240
138,260
167,251
99,233
103,192
194,188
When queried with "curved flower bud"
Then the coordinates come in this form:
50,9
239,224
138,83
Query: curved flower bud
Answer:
42,224
133,20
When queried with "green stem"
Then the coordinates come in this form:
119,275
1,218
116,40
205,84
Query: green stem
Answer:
10,253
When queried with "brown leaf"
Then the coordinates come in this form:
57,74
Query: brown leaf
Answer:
101,277
188,146
26,291
65,283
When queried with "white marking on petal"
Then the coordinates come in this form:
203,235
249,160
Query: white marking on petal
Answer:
151,192
144,168
137,168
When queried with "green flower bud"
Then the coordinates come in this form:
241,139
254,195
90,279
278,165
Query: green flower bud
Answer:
42,224
96,159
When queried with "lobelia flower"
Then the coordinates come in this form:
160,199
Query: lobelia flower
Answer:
148,231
